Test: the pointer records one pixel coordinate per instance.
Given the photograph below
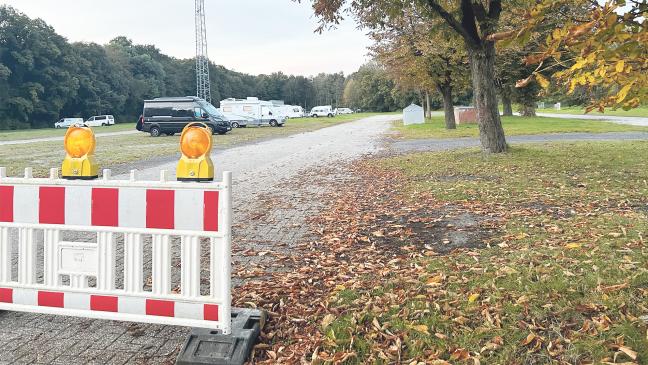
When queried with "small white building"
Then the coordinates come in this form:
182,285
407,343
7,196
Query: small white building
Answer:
413,114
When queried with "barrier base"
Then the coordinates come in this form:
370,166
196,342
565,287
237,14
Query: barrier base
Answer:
204,346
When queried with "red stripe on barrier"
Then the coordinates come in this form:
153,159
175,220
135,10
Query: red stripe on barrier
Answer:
50,299
6,203
210,312
103,303
51,206
159,209
210,213
163,308
105,207
6,295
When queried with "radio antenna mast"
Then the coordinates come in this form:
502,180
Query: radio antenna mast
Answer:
203,89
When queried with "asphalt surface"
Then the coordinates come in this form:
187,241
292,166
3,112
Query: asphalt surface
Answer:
640,121
435,144
60,138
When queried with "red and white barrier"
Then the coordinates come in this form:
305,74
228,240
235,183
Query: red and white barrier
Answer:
194,213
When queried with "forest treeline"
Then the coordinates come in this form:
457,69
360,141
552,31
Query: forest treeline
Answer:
43,77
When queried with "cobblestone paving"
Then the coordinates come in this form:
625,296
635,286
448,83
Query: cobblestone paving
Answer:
272,202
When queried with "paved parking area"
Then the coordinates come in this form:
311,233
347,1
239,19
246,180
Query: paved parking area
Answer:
277,187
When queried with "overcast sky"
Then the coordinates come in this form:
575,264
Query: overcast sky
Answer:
252,36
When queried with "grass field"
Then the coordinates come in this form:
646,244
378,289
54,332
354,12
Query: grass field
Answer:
54,132
641,111
435,127
560,276
115,150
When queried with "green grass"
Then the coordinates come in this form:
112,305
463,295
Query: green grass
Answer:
435,127
641,111
58,132
115,150
568,265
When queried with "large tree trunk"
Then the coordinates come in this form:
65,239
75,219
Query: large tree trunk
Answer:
528,110
428,110
482,65
448,108
507,103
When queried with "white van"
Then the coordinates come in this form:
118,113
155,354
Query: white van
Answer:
340,111
322,111
100,120
66,122
262,112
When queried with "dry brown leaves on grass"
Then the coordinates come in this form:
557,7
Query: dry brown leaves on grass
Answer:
367,236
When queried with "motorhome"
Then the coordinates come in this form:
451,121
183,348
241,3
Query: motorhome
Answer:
238,120
262,112
292,111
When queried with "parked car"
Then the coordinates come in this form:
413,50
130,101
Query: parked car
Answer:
66,122
100,121
170,115
261,112
322,111
343,111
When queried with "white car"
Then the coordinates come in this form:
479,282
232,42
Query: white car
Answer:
322,111
343,111
100,120
66,122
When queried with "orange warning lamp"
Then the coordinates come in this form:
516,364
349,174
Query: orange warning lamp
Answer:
79,163
195,145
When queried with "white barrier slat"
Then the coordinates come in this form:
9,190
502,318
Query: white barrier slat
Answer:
77,209
26,256
106,256
51,239
78,281
161,264
5,255
133,262
190,265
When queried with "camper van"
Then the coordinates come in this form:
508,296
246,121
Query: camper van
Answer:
170,115
322,111
262,112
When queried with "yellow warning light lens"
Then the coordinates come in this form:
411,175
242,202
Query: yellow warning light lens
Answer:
79,141
195,142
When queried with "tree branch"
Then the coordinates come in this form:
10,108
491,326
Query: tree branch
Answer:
495,9
450,20
479,11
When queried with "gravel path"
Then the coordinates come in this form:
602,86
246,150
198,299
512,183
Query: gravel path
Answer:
640,121
457,143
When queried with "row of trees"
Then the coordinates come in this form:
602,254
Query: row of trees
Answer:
43,77
596,51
